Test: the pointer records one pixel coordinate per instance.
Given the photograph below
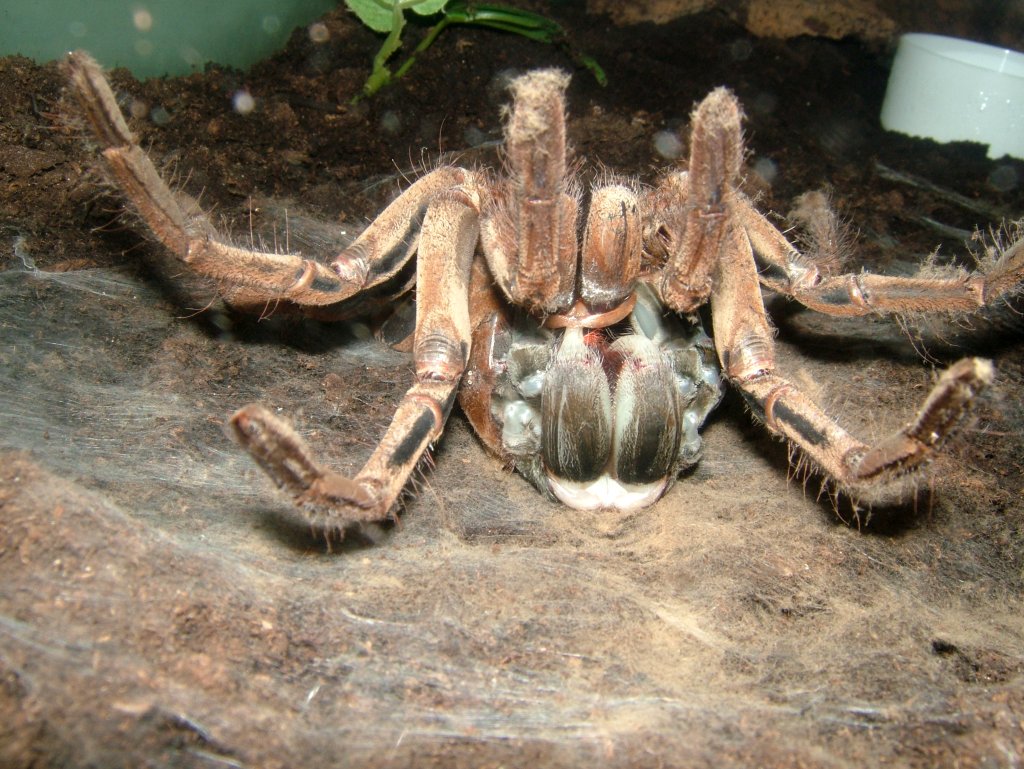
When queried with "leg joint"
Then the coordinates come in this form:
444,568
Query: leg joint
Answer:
769,405
439,358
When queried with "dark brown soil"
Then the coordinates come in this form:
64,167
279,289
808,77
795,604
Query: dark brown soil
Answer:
163,606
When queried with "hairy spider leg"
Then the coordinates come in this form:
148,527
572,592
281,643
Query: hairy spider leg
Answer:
879,473
441,350
718,245
177,220
529,233
249,277
782,268
699,219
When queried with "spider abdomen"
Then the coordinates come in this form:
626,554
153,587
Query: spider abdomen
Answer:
607,418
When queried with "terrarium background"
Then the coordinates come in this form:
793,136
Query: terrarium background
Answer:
161,604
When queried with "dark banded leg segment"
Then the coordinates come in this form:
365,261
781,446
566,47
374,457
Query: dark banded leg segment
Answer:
248,277
441,350
782,268
883,472
176,219
331,500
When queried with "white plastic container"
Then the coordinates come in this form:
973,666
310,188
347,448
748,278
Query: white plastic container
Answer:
948,89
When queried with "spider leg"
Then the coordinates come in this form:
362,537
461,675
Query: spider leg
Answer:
529,235
491,339
441,349
247,277
690,207
786,270
879,473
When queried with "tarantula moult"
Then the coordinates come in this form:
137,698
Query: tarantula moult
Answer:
565,322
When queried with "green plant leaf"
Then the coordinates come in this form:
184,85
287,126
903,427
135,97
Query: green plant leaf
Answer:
379,15
372,14
427,7
388,17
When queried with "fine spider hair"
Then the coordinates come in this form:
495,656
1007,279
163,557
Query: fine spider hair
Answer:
826,239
